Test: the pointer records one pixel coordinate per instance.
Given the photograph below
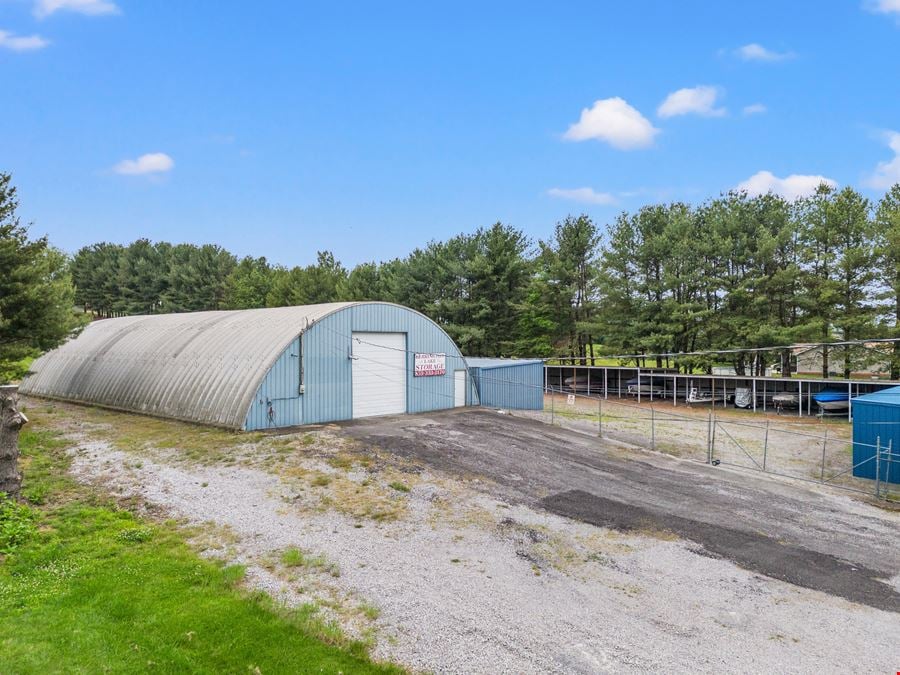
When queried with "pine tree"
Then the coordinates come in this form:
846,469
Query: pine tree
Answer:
36,294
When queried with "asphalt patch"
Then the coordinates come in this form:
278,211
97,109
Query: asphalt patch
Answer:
753,551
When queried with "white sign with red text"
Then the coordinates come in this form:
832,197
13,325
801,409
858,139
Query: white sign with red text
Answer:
429,365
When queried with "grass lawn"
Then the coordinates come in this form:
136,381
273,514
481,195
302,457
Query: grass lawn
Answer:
92,588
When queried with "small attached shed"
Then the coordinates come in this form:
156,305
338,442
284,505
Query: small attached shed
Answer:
876,422
515,384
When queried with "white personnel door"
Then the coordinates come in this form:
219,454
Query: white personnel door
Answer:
379,374
459,388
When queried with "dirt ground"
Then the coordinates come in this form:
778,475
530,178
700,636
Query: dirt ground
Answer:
782,444
471,541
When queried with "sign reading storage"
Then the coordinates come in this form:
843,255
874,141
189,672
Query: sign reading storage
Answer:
429,365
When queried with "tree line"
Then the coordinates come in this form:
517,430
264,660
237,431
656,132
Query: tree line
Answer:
735,271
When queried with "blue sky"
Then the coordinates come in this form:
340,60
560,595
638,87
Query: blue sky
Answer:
368,129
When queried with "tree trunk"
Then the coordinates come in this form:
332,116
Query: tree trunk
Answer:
740,365
786,366
11,420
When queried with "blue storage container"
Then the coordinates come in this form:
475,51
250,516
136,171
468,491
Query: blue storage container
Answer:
876,420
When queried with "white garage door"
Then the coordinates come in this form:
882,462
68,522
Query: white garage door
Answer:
379,374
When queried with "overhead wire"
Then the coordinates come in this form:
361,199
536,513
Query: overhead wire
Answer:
735,350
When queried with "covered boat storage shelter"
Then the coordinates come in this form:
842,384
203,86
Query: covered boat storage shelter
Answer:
260,368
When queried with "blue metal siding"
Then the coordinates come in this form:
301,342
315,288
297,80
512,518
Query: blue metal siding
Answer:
876,419
513,386
280,388
328,346
328,368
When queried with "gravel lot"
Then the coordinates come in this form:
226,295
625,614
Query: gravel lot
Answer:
784,444
474,569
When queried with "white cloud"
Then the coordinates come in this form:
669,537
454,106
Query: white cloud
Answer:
585,195
21,43
44,8
883,6
887,174
698,100
756,52
755,109
792,187
613,121
154,162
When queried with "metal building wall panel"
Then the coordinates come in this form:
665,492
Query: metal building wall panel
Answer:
328,346
874,422
513,386
280,389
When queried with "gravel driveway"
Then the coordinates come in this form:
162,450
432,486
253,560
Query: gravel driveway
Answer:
481,569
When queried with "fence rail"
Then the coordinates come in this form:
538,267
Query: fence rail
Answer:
776,446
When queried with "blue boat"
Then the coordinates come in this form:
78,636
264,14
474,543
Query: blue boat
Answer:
832,400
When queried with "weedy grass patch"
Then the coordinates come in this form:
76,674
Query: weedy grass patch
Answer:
194,442
94,588
16,524
294,557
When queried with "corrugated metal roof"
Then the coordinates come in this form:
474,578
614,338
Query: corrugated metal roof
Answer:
479,362
198,366
891,395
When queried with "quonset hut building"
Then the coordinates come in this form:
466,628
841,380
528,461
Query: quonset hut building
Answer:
261,368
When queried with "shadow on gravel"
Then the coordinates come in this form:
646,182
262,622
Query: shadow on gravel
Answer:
754,552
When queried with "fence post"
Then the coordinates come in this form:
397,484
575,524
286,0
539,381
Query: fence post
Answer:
887,474
708,438
652,429
552,406
877,466
600,416
824,443
712,440
766,447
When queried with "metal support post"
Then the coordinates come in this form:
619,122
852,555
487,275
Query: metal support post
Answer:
877,467
600,417
824,444
652,429
849,402
887,474
552,406
765,447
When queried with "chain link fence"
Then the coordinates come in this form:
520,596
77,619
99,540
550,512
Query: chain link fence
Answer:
819,450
